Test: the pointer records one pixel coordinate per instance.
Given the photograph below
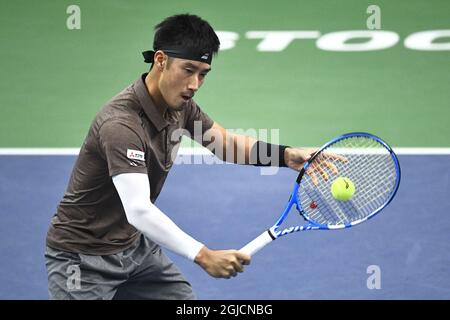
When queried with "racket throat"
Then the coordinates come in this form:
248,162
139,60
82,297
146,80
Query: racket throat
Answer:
272,233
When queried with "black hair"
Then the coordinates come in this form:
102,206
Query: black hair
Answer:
188,31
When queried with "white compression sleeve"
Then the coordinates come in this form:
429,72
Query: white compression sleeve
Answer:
134,192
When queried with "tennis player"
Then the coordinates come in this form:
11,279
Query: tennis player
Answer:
105,240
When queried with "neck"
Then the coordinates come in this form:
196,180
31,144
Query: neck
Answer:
151,82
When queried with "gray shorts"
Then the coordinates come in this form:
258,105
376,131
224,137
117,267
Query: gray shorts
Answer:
142,271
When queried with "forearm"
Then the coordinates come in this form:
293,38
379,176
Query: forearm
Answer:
161,229
242,149
134,192
237,148
255,152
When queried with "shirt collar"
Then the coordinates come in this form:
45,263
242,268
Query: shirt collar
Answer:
154,113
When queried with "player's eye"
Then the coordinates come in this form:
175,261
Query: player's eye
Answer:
189,71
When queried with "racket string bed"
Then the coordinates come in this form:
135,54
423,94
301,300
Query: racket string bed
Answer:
371,168
374,173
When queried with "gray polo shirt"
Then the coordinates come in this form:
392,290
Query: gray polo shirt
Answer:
129,134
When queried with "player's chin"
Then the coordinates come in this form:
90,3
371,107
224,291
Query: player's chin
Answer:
179,106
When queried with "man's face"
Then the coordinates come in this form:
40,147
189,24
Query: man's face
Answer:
180,79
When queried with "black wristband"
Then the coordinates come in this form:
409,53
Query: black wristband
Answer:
265,154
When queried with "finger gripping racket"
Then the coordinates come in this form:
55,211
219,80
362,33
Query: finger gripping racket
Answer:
365,160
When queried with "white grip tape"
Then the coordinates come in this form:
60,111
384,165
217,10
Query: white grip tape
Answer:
257,244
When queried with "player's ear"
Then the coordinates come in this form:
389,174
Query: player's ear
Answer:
160,60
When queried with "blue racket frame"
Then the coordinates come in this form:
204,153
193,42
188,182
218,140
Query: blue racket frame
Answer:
294,199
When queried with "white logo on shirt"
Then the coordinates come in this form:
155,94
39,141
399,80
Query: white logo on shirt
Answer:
135,155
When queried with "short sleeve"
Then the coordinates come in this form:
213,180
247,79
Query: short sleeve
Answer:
197,121
122,147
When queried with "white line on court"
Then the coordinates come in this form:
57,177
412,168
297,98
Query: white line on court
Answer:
186,151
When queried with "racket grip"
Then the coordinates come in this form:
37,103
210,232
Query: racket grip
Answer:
258,243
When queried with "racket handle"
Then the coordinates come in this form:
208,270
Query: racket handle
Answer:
258,243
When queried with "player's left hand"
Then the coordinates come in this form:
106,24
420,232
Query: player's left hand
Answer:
295,158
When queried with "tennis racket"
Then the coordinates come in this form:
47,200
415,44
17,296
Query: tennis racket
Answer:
364,159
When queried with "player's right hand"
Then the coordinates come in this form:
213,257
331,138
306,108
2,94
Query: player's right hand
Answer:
222,263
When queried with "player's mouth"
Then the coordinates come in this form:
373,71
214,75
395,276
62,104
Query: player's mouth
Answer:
186,96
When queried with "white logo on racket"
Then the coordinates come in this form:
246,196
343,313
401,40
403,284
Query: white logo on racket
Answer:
135,155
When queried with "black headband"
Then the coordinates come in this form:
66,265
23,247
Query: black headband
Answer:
181,53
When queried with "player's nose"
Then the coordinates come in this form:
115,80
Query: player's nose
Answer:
194,83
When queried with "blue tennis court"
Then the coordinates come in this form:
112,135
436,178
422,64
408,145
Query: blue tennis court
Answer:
407,244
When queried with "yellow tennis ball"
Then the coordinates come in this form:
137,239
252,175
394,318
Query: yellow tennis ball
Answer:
342,189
